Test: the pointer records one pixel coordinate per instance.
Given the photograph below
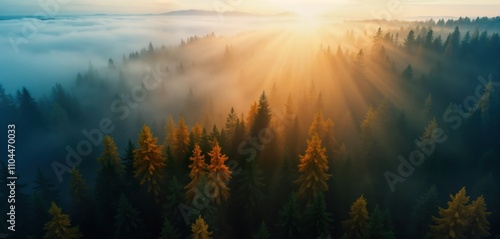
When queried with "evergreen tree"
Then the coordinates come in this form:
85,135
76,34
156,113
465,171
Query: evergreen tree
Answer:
375,228
108,183
128,224
168,231
198,170
318,221
313,168
79,190
200,229
231,123
149,162
59,226
483,104
252,114
45,187
429,130
169,132
452,221
356,225
110,156
219,175
478,224
263,116
131,186
175,197
181,141
29,108
421,214
262,233
408,72
410,40
251,186
289,219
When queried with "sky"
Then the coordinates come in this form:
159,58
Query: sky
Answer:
343,8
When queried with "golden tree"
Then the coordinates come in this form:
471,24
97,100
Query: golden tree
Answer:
313,167
199,229
198,170
452,222
169,132
219,175
181,141
149,162
478,224
59,226
356,225
110,157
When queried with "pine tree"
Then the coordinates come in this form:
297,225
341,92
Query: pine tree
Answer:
175,197
149,162
231,123
263,116
318,221
421,214
108,183
313,168
109,156
375,228
131,186
45,187
198,170
324,129
408,72
219,175
483,104
169,133
199,229
478,224
181,141
252,114
128,224
289,219
251,187
452,222
79,189
197,131
356,225
59,226
168,231
262,233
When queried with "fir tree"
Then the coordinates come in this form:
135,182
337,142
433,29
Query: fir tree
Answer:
169,132
219,175
149,162
289,219
198,170
200,229
375,228
45,187
318,221
356,225
128,224
263,116
59,226
251,187
452,222
262,233
313,168
109,156
168,231
79,190
478,224
181,141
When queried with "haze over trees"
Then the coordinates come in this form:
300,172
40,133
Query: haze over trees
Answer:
254,140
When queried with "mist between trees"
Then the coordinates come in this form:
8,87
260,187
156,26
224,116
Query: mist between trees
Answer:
316,167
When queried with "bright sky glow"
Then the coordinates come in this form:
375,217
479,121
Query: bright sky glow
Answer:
361,9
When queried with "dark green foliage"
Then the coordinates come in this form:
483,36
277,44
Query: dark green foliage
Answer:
262,233
128,223
289,219
318,221
376,227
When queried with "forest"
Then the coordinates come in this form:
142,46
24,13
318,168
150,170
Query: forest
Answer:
272,133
